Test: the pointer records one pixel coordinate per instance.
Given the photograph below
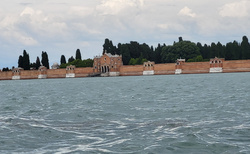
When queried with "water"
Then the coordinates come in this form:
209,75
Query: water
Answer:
202,113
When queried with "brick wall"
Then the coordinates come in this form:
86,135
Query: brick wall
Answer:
195,67
29,74
56,73
6,75
131,70
83,72
162,69
236,66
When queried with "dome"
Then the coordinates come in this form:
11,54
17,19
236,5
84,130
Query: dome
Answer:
55,65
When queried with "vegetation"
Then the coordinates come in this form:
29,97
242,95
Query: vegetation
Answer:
24,61
192,52
78,62
78,54
63,60
45,59
134,53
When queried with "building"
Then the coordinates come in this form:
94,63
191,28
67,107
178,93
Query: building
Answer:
55,66
108,64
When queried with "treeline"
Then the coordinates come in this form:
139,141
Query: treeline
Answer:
24,61
135,53
77,61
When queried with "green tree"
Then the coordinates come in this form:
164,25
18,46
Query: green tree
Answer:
229,51
125,53
20,61
45,59
38,63
63,60
71,59
109,47
213,51
157,54
245,48
26,60
182,49
78,54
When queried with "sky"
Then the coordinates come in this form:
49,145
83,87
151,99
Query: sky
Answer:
60,27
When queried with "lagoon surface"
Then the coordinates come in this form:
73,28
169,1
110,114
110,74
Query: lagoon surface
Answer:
201,113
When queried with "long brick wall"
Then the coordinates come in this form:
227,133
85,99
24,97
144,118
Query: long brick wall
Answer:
137,70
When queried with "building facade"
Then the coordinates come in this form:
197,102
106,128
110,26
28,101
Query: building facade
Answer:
108,64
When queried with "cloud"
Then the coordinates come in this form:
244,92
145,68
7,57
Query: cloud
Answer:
114,7
236,9
187,12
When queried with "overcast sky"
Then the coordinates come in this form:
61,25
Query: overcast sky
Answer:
62,26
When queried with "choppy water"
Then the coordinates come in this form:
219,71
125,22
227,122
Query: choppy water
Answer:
205,113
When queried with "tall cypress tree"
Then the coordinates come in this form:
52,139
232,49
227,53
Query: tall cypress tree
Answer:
45,59
20,61
38,63
63,59
78,54
26,60
245,48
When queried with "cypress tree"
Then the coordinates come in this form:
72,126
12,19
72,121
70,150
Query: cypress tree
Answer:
38,63
26,60
245,48
78,54
45,60
20,61
63,59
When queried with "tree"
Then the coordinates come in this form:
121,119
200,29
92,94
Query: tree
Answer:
45,59
125,54
157,54
63,60
26,60
180,39
78,54
38,63
245,48
108,47
183,49
20,61
71,59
